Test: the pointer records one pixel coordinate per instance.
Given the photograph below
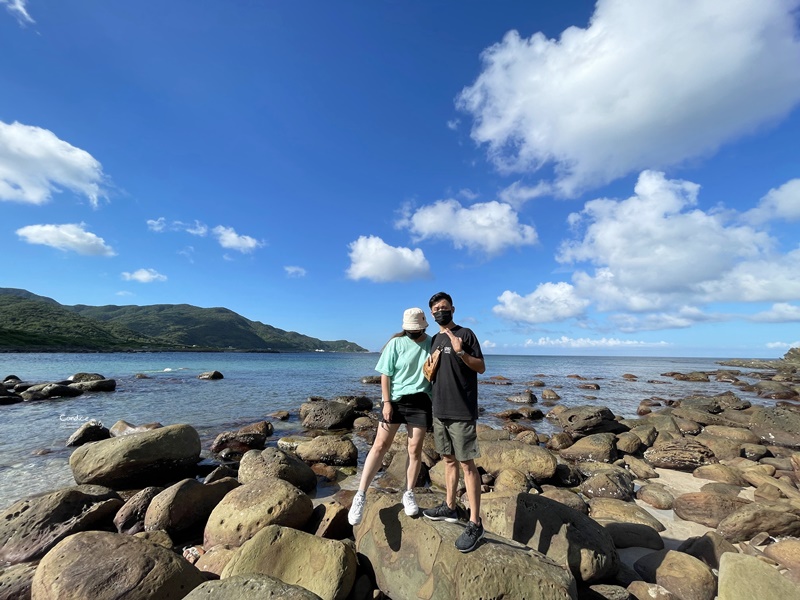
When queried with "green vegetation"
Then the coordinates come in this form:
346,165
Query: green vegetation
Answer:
34,323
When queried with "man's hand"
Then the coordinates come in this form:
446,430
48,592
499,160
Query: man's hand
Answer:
454,341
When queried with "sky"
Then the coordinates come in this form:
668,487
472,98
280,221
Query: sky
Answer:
619,177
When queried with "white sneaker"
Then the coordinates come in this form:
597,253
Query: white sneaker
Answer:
410,503
357,508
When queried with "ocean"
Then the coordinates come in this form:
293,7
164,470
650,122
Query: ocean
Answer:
34,458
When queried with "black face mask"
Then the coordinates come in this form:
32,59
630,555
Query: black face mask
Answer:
414,335
443,317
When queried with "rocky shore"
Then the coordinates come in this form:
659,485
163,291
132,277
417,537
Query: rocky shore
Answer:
694,499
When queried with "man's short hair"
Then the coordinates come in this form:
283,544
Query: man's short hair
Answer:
439,296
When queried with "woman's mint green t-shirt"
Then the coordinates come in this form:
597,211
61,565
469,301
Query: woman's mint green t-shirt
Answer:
402,360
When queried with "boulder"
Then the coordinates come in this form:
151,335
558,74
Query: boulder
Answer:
778,426
640,468
251,507
211,375
641,590
16,580
320,414
135,460
329,449
130,518
567,498
215,558
247,587
682,574
751,519
682,454
99,565
743,577
96,385
537,463
785,552
628,442
707,508
286,554
526,397
31,527
272,462
633,535
708,548
598,447
329,520
563,534
121,428
585,420
656,495
609,485
250,438
721,474
623,512
417,558
183,509
91,431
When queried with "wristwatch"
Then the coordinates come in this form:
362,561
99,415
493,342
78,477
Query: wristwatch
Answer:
460,353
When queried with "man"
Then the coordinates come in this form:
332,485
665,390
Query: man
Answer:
455,413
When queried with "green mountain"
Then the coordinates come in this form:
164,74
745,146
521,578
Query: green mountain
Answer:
34,323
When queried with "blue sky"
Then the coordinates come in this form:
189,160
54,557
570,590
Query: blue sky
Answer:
618,177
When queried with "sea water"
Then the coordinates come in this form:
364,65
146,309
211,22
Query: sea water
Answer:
164,387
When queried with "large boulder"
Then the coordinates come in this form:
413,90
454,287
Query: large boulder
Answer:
248,587
183,509
537,463
683,575
707,508
273,462
417,558
329,449
32,526
599,447
130,518
585,420
321,414
682,454
743,577
139,459
325,567
96,385
611,509
16,580
98,565
776,519
563,534
253,506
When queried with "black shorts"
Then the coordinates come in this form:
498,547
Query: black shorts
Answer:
413,409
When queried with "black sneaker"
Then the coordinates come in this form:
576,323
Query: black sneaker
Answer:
469,538
441,513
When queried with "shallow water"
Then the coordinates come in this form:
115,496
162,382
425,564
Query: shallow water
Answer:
256,385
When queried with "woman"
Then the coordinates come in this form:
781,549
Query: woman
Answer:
406,398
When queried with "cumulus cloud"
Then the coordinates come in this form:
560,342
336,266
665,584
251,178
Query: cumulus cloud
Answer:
160,225
567,342
645,85
549,302
517,194
295,271
656,261
784,345
69,237
781,312
373,259
490,227
144,276
19,10
228,238
779,203
35,164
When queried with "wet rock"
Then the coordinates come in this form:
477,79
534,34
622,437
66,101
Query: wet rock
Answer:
585,420
596,447
95,385
321,414
47,391
526,397
211,375
91,431
283,553
251,507
130,461
523,412
110,566
548,394
251,437
121,428
31,527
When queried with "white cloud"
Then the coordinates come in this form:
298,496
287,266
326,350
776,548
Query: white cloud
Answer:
778,203
71,236
468,194
160,225
549,302
781,312
188,253
487,226
295,271
18,9
488,345
453,124
157,225
198,229
656,261
373,259
784,345
645,85
144,276
124,293
228,238
518,194
567,342
35,164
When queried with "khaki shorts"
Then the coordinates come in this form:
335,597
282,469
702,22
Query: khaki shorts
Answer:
456,438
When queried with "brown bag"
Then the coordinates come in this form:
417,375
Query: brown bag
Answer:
431,364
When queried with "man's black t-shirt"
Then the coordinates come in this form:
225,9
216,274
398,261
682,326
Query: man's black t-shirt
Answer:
455,387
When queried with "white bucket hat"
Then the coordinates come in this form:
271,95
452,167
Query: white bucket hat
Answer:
414,319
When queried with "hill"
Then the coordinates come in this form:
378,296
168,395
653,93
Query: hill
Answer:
30,323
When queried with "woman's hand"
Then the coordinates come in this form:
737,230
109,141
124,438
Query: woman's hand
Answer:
387,412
